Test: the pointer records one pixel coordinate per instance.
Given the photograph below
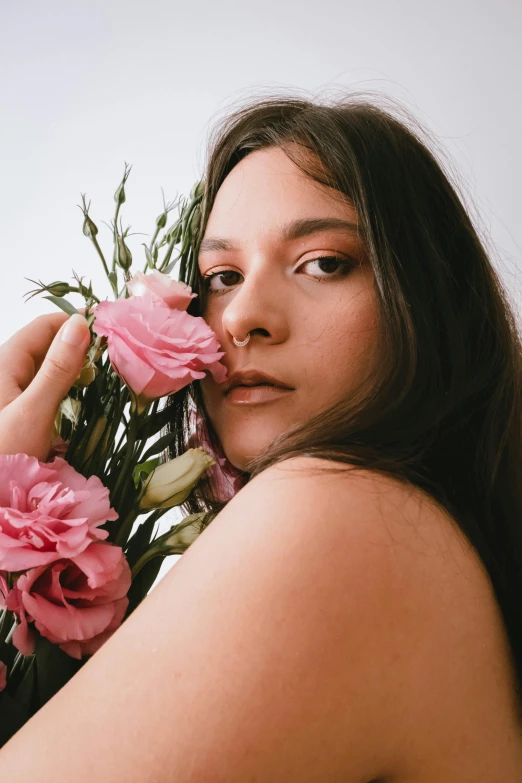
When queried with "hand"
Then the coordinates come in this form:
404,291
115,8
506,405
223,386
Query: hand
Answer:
37,369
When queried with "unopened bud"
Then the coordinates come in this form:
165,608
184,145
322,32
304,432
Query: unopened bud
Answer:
172,482
96,350
58,288
70,408
161,220
119,196
197,190
123,255
86,377
90,229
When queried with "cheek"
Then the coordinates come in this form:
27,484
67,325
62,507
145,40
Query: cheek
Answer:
345,345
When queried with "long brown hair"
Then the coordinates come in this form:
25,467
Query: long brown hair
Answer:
444,412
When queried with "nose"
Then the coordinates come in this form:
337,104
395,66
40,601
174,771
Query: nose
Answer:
258,306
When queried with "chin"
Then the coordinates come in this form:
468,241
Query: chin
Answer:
240,452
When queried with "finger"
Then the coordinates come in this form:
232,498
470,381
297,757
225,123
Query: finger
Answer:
60,367
22,354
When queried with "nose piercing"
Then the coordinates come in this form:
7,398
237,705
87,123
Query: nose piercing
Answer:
243,343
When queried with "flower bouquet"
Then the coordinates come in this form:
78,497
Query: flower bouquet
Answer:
75,559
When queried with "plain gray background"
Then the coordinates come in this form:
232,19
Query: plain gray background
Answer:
86,86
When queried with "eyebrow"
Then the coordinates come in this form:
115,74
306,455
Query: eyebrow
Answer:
295,230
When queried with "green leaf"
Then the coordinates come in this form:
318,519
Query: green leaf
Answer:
54,668
154,423
142,583
159,445
63,304
140,541
148,256
13,715
143,469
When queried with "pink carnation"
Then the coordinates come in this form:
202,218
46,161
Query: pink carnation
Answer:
172,292
48,511
157,350
77,604
3,675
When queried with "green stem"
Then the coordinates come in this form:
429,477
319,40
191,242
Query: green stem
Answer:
144,559
11,632
168,253
17,662
124,474
3,623
154,237
117,212
102,257
126,527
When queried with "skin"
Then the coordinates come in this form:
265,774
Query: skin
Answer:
443,711
317,335
38,369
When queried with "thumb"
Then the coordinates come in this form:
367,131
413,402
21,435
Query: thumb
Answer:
62,364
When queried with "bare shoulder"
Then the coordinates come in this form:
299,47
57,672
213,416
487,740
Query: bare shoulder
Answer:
423,629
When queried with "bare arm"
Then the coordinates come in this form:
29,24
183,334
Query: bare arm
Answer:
263,655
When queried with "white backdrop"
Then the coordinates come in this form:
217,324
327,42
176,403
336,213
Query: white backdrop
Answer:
85,86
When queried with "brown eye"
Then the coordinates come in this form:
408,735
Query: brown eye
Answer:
225,277
332,266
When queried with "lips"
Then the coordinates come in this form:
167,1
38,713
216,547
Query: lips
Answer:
254,378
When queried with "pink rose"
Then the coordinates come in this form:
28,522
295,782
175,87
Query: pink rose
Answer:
3,675
157,350
161,286
77,604
225,479
48,511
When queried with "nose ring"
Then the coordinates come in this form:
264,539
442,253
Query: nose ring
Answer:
239,345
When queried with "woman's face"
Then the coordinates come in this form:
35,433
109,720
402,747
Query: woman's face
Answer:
312,324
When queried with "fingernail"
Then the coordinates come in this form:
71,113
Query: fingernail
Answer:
74,331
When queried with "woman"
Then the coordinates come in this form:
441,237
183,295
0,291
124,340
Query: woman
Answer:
352,614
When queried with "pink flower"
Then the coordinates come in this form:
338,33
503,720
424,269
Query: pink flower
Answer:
157,350
58,448
225,479
77,604
3,591
3,675
48,511
161,286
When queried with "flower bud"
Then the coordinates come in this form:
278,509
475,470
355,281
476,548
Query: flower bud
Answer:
161,220
172,482
123,255
119,196
58,288
197,190
181,539
97,348
90,229
70,408
86,377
